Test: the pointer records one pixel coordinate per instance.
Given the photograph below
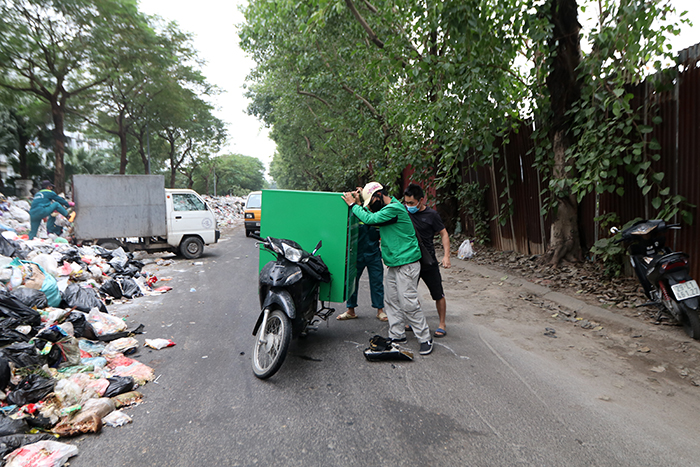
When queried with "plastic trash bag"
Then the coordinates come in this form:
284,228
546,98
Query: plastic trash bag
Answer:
32,388
116,419
81,327
83,298
23,354
104,323
112,288
125,345
465,250
11,307
70,352
11,442
48,283
10,426
119,385
125,366
31,297
5,373
9,333
129,287
159,343
8,247
41,454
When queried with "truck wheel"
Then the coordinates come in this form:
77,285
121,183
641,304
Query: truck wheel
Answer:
191,247
247,233
109,244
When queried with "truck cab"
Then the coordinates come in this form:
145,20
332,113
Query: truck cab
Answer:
191,224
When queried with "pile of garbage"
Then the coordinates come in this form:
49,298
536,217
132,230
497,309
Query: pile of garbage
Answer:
227,209
64,360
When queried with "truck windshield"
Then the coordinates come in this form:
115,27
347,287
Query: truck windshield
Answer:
254,201
187,202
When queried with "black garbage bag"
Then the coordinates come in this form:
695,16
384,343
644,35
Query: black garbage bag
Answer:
9,333
130,288
5,373
112,288
83,299
72,256
51,334
119,385
23,354
81,326
10,426
54,356
33,298
11,442
32,388
118,335
102,252
12,307
7,248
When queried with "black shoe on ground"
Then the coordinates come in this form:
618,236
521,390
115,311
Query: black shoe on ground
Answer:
426,347
399,341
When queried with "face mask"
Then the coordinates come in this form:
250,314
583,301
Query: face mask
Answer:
375,206
412,209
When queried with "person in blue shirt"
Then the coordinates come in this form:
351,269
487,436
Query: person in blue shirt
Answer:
45,203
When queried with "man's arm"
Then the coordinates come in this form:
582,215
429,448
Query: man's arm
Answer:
445,246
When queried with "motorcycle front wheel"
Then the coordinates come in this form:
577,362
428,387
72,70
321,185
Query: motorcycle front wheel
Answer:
270,351
690,320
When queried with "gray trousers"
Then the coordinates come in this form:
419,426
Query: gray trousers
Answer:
401,302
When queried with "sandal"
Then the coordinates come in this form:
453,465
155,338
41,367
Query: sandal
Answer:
439,332
382,317
346,315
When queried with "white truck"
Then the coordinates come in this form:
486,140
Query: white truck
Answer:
137,212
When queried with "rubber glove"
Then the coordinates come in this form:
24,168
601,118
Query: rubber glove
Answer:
71,203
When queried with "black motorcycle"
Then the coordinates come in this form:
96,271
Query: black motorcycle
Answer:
288,289
663,272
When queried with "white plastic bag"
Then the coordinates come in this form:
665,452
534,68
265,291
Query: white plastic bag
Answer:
103,323
465,250
41,454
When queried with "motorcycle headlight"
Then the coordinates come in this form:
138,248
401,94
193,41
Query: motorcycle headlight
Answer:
291,253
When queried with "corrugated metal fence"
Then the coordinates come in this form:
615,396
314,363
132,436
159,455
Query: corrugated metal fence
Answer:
527,231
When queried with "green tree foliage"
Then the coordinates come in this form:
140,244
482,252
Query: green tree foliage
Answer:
231,174
56,50
358,89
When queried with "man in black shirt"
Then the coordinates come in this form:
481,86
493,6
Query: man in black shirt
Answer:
428,223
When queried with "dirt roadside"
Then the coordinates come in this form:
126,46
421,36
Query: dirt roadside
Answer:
618,343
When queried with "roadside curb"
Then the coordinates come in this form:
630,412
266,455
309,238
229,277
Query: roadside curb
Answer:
581,308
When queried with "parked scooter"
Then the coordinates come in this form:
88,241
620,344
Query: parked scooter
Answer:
288,289
663,273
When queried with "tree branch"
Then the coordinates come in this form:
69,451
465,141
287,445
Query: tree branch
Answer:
372,36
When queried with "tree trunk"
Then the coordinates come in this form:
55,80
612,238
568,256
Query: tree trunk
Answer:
59,138
121,133
564,90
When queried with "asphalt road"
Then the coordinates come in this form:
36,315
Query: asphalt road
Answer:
477,400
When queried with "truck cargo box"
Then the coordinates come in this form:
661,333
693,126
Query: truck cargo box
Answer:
113,206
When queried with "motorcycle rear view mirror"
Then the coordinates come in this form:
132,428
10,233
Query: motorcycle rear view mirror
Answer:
318,247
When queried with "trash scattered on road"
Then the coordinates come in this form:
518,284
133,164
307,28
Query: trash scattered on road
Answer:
64,368
159,343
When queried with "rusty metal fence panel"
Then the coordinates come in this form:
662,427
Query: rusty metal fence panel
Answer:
513,176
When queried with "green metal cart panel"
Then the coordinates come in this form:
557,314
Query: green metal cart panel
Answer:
307,217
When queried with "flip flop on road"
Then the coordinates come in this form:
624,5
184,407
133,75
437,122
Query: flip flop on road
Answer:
382,317
346,315
439,332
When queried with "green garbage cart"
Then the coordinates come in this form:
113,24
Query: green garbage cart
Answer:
307,217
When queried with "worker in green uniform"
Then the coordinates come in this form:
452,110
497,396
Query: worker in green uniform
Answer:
401,255
44,204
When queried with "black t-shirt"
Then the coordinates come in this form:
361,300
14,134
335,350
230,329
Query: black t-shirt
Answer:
428,223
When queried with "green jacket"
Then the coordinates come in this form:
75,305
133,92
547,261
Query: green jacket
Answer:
398,236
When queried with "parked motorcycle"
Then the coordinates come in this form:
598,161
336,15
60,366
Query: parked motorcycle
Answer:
288,289
663,272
